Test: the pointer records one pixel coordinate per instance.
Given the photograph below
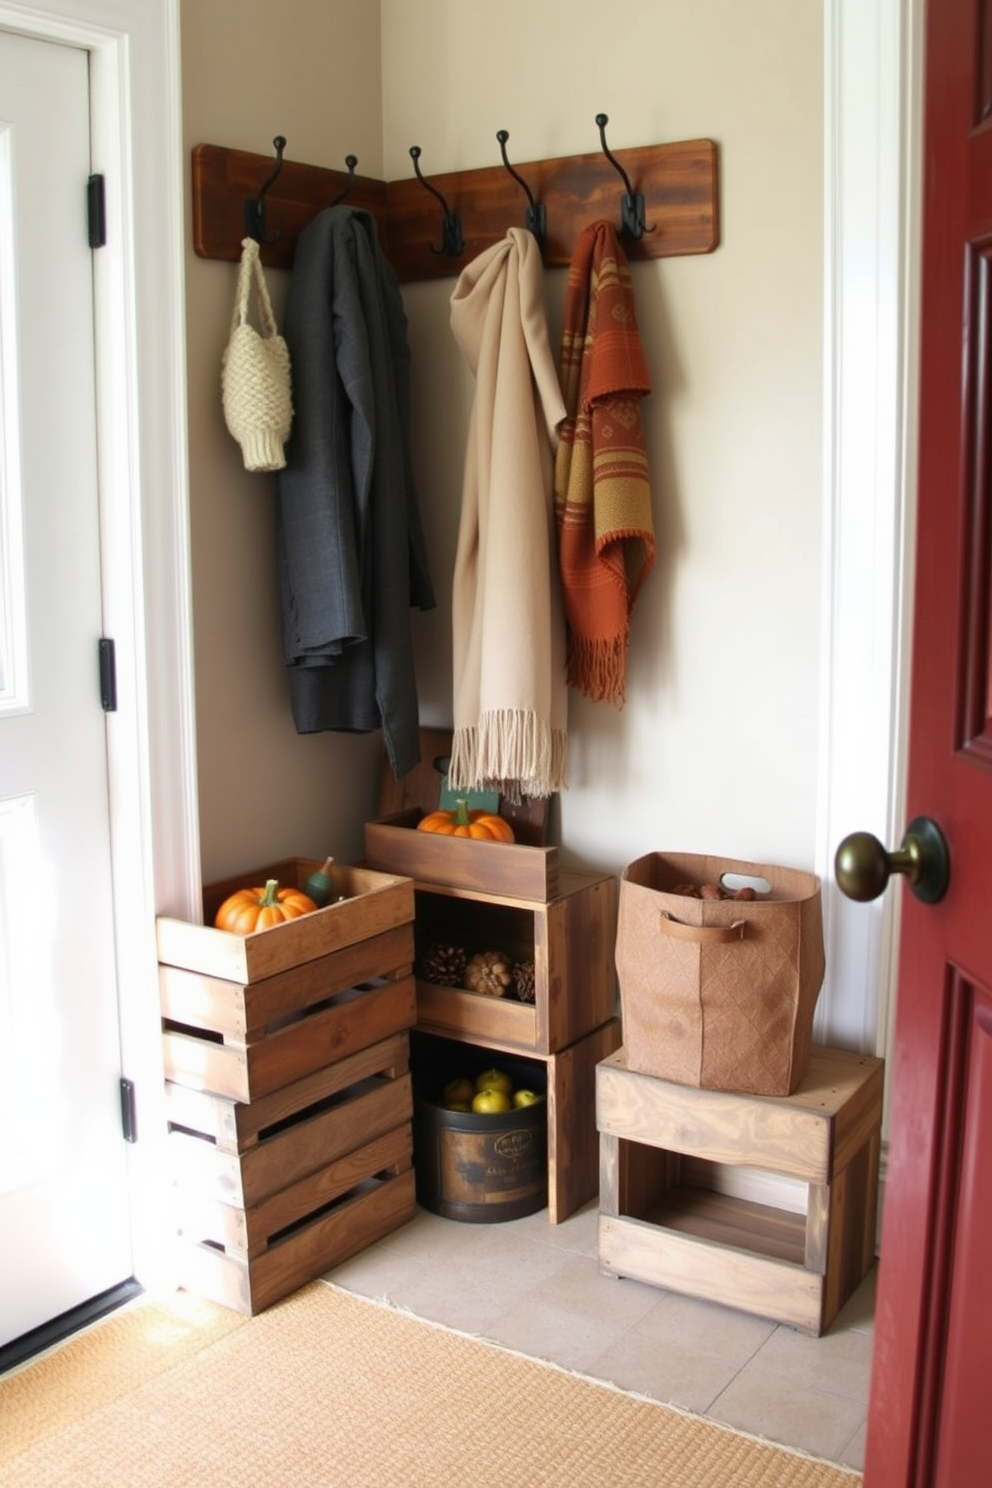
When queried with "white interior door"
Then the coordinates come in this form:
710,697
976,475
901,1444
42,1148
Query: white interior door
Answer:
64,1219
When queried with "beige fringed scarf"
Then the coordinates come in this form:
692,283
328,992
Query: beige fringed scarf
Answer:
508,628
602,489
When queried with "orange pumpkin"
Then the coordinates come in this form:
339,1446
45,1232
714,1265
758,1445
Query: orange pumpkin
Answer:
257,909
465,823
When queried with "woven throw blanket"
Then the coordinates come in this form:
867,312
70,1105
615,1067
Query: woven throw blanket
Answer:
508,626
602,490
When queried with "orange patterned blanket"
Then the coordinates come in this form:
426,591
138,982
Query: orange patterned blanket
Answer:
602,490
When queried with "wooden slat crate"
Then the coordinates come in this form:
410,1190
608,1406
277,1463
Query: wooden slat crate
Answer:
665,1149
570,940
569,1079
373,902
515,898
244,1041
270,1194
514,870
244,1015
288,1085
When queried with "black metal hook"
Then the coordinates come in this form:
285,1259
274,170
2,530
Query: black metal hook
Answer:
536,217
451,233
632,223
350,161
255,207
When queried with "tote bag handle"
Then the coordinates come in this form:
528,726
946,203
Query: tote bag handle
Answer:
702,934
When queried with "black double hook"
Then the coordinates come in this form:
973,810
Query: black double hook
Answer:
632,223
350,161
255,206
452,242
535,217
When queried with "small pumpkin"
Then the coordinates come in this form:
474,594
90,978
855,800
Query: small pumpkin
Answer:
256,909
461,822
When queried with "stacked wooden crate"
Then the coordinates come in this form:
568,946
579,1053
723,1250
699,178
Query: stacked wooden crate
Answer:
514,897
288,1084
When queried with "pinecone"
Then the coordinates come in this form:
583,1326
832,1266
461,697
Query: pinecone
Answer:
444,964
489,972
523,981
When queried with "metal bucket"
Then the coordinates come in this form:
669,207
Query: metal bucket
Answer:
482,1168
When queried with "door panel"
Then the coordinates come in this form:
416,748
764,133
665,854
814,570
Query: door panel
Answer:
64,1226
932,1368
963,1393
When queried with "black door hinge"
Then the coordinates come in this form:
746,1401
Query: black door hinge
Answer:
129,1116
108,676
96,212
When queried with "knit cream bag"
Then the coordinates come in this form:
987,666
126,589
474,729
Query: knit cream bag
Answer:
255,373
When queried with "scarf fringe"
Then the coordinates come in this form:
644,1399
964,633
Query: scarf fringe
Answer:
511,751
598,668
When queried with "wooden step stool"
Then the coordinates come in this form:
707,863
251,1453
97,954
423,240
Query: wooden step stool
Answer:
672,1155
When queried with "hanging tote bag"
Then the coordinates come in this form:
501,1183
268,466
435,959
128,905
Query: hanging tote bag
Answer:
719,992
255,372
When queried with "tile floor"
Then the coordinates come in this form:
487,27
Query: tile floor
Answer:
536,1287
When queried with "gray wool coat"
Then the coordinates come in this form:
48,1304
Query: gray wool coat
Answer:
352,558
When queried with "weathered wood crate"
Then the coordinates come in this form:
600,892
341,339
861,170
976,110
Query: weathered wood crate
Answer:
287,1082
570,1081
373,902
569,939
271,1194
515,898
523,869
244,1015
669,1158
512,869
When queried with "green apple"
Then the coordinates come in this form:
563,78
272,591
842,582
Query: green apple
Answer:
494,1079
491,1102
526,1098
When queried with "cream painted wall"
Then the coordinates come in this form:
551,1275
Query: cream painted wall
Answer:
716,748
308,70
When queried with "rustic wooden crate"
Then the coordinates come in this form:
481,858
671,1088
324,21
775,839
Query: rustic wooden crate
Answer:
245,1015
570,939
512,897
511,869
796,1258
374,902
570,1081
272,1193
421,786
287,1083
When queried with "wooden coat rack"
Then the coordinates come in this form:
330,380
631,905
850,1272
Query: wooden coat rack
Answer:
678,183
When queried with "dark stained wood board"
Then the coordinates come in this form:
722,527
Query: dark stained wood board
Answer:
679,183
223,180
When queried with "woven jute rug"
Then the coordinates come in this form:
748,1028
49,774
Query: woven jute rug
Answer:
328,1388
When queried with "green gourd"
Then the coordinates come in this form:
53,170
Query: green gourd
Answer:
320,884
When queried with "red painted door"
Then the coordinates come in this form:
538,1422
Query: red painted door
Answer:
931,1394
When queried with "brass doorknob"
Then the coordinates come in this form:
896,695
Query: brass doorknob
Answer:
863,867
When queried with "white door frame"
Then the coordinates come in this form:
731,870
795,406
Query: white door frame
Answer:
141,383
872,108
